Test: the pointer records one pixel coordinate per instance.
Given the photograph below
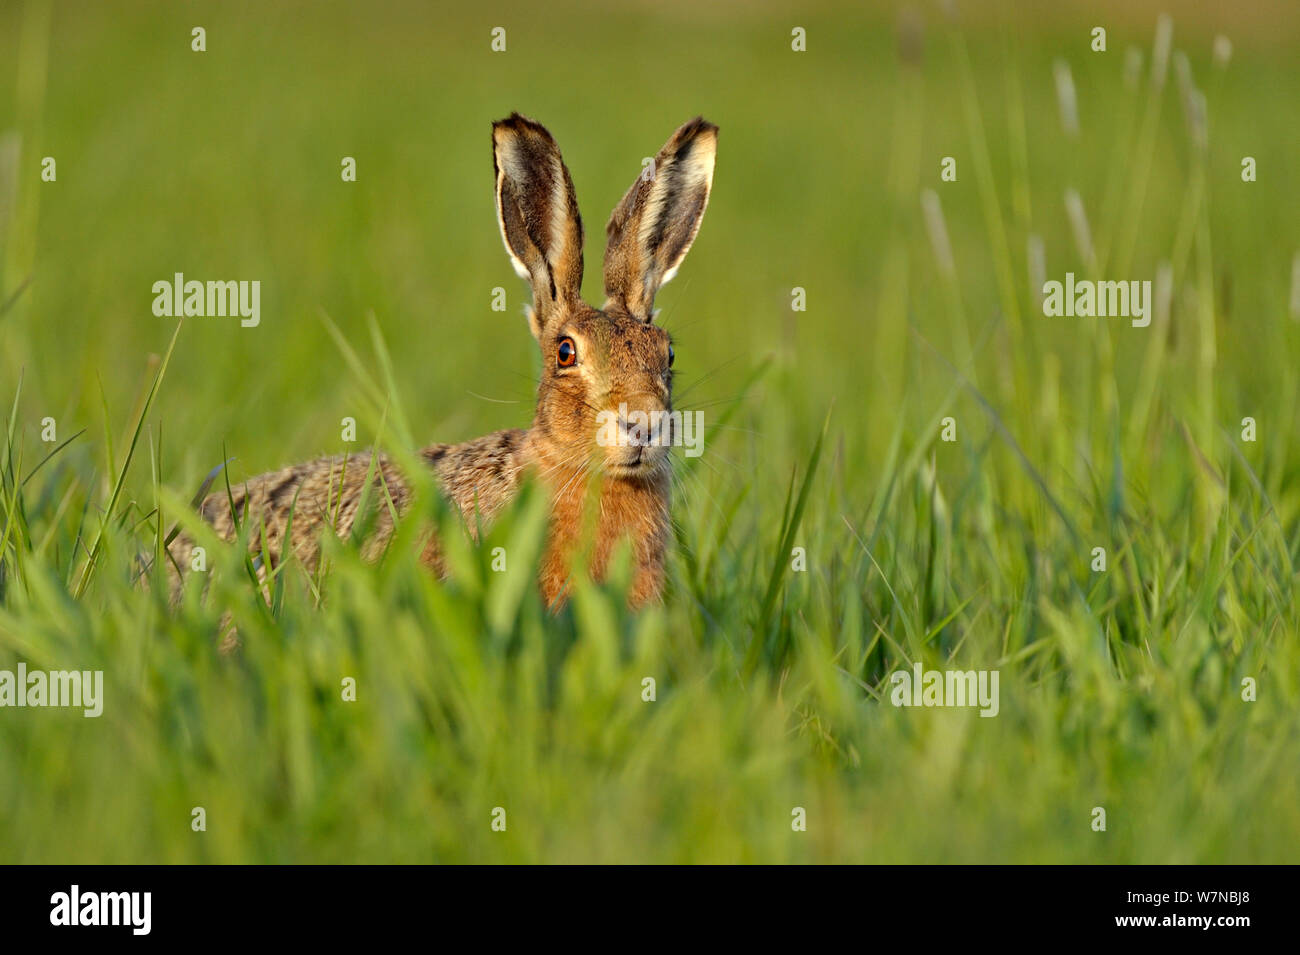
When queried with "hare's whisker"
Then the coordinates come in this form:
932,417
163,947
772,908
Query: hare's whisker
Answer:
499,401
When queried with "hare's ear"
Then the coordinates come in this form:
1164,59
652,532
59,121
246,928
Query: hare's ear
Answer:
538,213
652,229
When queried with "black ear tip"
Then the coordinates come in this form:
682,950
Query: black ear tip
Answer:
520,124
698,126
512,123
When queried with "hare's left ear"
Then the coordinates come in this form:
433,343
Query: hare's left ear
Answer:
538,214
652,229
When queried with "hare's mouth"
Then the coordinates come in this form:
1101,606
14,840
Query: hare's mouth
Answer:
635,461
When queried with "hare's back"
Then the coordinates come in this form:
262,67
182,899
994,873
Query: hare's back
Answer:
301,501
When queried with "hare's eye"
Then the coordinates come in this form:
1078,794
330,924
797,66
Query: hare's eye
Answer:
567,354
672,356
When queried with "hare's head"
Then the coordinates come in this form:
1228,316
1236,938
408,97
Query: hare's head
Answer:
606,386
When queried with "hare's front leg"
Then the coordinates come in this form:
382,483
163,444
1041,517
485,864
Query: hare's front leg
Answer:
553,576
647,585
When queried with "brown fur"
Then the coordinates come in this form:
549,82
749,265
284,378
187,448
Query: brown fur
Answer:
621,358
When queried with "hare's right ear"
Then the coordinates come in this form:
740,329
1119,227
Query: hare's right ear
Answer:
652,229
538,214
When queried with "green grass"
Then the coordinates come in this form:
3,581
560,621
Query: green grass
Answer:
1119,689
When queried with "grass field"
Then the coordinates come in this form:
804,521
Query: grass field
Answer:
1120,689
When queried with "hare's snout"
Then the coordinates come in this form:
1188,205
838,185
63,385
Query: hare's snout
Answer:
635,460
636,434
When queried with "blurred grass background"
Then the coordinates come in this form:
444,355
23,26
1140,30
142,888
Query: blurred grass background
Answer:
1119,689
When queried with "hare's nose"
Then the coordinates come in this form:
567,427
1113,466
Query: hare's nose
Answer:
646,428
636,434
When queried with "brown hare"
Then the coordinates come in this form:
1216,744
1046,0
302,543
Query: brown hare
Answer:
608,360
